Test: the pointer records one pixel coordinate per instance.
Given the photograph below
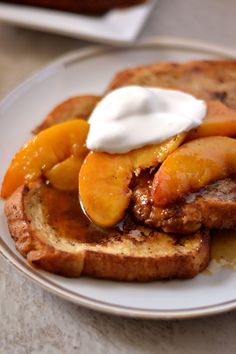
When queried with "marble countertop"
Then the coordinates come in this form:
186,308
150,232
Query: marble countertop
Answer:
35,321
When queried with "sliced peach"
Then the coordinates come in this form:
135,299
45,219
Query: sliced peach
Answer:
104,179
64,175
151,155
103,187
219,121
41,153
193,166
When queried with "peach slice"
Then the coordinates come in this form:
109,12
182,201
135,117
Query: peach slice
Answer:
103,187
193,166
151,155
219,121
104,179
64,175
45,150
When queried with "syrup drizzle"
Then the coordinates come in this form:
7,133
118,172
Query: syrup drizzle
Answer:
223,250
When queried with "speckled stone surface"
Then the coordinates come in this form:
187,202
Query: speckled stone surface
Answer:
34,321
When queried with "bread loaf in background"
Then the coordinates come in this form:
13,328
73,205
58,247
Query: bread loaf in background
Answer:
89,7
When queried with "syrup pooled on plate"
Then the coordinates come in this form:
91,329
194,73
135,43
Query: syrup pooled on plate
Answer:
223,250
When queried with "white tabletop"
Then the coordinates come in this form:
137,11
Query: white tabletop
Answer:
34,321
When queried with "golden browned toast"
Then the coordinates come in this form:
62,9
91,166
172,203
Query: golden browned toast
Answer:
208,80
212,207
75,107
50,230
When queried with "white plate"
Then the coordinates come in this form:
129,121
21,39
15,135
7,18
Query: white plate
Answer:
116,27
89,71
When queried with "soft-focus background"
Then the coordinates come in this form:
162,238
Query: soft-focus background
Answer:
34,321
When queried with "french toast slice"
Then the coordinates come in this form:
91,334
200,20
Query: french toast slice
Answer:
51,231
213,207
207,80
75,107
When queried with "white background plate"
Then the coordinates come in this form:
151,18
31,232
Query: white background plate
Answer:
89,71
117,26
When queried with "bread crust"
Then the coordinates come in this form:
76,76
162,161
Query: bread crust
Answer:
101,261
29,243
75,107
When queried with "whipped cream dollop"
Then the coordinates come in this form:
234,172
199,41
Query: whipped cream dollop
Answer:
134,116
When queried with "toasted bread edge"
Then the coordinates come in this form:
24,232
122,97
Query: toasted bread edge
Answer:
75,107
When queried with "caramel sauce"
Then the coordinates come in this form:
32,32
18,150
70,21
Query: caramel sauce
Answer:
64,214
223,248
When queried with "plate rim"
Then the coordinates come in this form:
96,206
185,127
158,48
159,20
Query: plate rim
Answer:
38,278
